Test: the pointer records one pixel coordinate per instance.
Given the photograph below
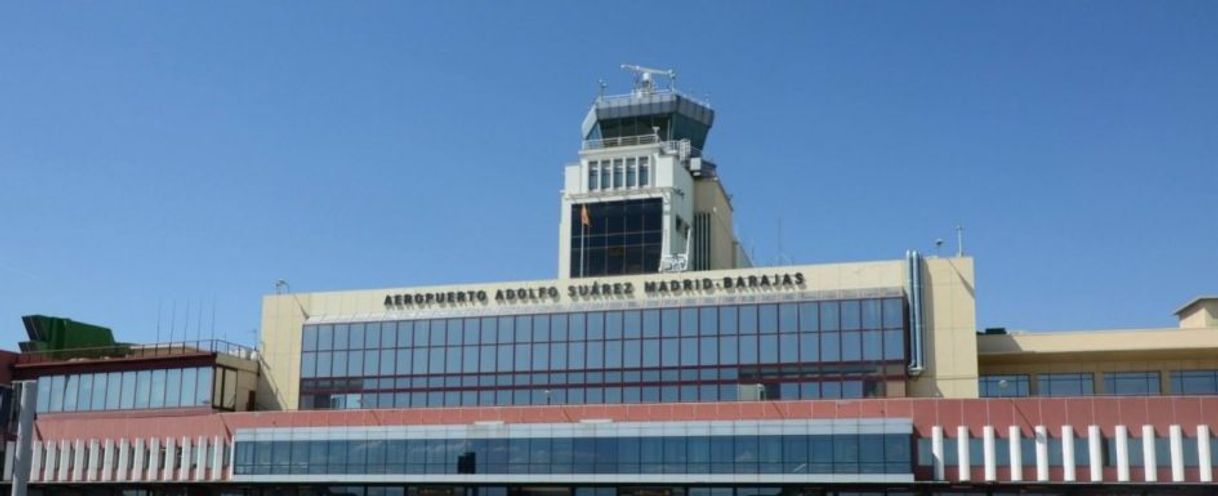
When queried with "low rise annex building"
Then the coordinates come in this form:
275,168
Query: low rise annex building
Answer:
660,362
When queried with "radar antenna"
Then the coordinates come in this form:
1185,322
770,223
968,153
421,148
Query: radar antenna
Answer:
644,83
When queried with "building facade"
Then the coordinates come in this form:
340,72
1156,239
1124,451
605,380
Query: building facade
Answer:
658,363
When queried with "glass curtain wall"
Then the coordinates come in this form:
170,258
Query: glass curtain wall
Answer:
785,454
797,350
622,237
138,389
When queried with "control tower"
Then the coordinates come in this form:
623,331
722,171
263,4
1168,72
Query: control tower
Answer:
643,198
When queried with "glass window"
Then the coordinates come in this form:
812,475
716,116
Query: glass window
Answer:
651,353
355,336
309,339
669,352
203,391
689,351
809,316
1131,383
325,337
127,400
1068,384
748,349
631,173
577,327
828,316
651,323
190,381
372,335
96,393
894,312
385,360
156,397
143,388
1200,382
871,314
728,320
596,325
173,388
747,319
644,178
689,321
72,394
727,350
558,327
670,322
438,332
769,349
593,170
809,349
355,363
788,317
850,315
1003,386
768,318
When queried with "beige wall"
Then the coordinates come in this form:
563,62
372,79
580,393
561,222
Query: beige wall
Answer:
1098,352
1202,312
951,330
709,197
951,342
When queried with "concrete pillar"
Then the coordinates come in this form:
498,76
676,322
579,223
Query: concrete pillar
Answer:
1095,450
9,448
139,453
936,452
78,460
65,460
170,450
154,459
94,464
1122,453
1042,453
217,458
1150,465
1069,472
48,471
989,452
21,450
962,454
184,459
107,467
124,460
1015,449
231,453
1177,453
1204,460
36,462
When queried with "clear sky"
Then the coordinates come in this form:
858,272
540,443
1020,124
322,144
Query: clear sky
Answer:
162,154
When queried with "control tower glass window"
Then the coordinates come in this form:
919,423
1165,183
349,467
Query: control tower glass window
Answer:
622,237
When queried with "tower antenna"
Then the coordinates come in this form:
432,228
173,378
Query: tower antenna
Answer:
643,83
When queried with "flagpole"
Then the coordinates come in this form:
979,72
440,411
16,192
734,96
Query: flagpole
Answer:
583,243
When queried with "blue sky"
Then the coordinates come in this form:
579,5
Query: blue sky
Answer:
155,154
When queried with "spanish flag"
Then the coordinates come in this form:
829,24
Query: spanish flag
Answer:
583,216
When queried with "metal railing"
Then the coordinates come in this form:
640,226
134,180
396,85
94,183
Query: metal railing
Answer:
128,351
644,139
681,148
636,95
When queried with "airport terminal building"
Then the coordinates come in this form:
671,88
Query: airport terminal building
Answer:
659,362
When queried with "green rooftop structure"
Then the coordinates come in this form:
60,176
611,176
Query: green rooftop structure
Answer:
66,338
